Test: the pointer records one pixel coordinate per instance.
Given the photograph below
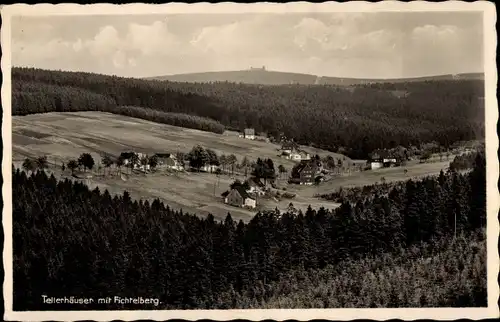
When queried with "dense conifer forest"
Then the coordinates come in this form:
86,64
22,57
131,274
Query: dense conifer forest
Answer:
69,240
356,119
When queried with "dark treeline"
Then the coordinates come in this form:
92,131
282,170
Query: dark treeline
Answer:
70,240
358,120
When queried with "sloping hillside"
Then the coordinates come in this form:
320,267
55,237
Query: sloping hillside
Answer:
244,76
64,136
265,77
349,120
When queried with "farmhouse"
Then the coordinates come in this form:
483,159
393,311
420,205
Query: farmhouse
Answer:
249,134
256,187
296,155
309,172
134,157
288,147
306,172
168,161
239,197
304,155
383,159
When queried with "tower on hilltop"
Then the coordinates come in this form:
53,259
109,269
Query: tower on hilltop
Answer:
257,68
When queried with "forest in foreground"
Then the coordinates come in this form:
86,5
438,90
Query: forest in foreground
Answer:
428,234
354,120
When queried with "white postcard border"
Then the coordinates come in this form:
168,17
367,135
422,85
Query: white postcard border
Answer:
493,205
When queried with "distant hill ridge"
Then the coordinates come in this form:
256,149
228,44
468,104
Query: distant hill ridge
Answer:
267,77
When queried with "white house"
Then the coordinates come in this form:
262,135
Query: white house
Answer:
295,155
209,168
169,161
376,165
238,197
249,134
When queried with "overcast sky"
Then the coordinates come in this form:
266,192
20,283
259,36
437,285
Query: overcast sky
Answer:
378,45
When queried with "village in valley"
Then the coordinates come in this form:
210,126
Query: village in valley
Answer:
251,184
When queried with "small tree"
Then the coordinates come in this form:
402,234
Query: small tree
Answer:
107,161
213,159
153,162
281,169
72,165
29,165
181,158
86,160
42,163
232,160
245,163
119,164
223,161
198,157
133,161
144,162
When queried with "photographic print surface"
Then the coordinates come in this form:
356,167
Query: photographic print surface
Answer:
254,161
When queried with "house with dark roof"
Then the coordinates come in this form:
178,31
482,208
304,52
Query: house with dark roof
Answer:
309,172
256,187
288,147
168,160
383,159
306,172
239,197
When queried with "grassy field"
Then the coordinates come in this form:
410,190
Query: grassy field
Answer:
63,136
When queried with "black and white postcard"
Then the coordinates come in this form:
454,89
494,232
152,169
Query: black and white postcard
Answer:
250,161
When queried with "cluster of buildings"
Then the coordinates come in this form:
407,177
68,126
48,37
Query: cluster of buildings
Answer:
291,151
164,160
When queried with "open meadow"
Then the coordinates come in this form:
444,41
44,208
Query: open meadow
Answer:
64,136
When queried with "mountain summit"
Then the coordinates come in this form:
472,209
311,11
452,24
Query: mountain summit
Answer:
260,75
